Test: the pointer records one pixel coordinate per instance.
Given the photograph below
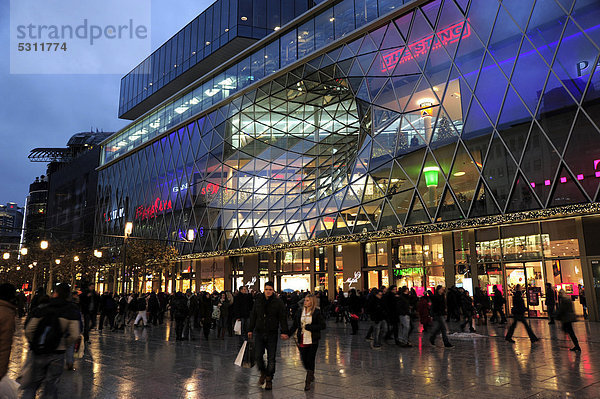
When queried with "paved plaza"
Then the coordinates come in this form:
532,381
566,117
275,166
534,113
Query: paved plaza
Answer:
148,363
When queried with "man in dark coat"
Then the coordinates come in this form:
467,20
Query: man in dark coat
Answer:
242,306
550,302
267,317
518,312
498,301
438,311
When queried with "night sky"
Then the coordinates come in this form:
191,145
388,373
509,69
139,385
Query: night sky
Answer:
46,110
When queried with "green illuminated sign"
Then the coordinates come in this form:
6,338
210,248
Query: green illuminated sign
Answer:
408,271
431,175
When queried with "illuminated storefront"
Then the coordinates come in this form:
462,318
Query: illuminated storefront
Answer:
415,143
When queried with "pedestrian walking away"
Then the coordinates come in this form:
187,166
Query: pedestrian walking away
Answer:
550,302
267,317
518,312
308,323
52,328
566,315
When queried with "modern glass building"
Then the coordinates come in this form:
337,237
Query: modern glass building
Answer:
368,143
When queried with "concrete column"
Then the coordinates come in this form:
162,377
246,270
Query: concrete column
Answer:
353,262
448,258
227,273
330,271
473,257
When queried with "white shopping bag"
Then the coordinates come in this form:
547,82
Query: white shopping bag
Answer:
79,348
240,356
9,389
237,327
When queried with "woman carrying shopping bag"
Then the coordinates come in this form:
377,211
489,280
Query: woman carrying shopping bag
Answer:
308,323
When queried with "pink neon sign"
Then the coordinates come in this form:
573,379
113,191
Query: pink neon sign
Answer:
149,212
451,34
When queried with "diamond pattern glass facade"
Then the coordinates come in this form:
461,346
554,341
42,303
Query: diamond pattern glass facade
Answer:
451,110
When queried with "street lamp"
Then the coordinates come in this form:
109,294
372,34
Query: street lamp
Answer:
44,244
128,231
97,254
5,256
191,234
57,261
76,258
23,251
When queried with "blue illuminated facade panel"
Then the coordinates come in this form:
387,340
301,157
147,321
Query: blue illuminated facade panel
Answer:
452,110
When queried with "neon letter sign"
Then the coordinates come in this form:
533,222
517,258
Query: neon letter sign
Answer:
451,34
149,212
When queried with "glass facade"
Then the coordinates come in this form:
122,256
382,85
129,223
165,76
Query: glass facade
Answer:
220,23
451,110
237,75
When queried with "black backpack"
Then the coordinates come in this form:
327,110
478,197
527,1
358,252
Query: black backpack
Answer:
48,333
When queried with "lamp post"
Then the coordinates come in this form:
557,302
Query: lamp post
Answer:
128,231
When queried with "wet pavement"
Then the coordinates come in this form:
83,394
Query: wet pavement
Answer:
148,363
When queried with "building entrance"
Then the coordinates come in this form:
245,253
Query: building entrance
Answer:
530,276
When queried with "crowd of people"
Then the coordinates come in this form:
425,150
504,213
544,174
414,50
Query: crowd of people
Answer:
56,325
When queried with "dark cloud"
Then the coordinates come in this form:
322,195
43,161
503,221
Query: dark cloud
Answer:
45,110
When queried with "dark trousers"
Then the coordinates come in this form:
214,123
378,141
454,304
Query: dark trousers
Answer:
354,324
110,315
495,313
179,326
551,307
392,329
440,326
266,342
44,370
308,354
568,328
89,321
511,329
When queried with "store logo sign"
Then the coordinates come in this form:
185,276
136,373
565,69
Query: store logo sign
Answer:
408,271
451,34
251,282
584,68
114,214
353,280
148,212
183,187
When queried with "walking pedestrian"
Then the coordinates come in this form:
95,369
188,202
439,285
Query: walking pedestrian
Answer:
267,317
7,324
142,314
583,300
308,323
518,312
404,312
354,310
498,302
438,311
566,315
378,317
550,302
180,312
242,306
58,328
468,310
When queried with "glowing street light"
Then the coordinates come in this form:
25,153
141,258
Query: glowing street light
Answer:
31,266
97,254
191,234
76,258
57,261
44,244
5,255
23,251
128,228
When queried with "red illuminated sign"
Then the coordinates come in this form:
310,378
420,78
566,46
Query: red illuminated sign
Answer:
451,34
210,188
149,212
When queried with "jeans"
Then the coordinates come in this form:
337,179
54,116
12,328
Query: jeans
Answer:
89,321
45,370
268,342
379,329
70,354
308,355
405,323
440,325
511,329
179,325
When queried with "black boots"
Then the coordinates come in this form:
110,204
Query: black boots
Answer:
262,379
310,377
269,384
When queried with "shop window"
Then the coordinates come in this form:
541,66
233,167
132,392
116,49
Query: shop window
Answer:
461,247
409,251
339,261
462,277
488,245
377,279
298,260
560,238
521,242
321,283
339,281
411,277
434,276
489,275
321,259
433,249
287,261
376,254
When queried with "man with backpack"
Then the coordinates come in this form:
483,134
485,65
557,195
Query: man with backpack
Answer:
51,329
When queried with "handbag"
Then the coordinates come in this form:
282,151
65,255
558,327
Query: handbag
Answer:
237,328
240,355
248,360
9,388
354,316
79,348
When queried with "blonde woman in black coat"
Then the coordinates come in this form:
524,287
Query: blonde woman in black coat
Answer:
308,323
